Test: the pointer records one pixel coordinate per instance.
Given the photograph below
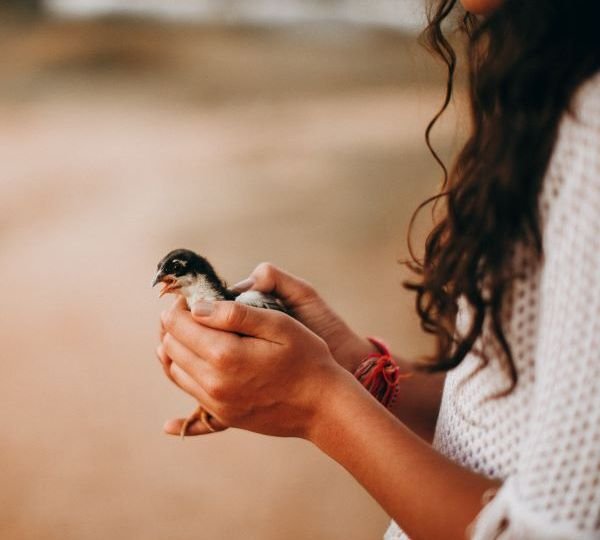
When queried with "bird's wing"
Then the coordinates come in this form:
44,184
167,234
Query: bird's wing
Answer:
261,300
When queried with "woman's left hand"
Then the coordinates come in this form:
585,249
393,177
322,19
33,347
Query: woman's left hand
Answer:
252,368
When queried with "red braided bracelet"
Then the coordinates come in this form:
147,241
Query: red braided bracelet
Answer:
380,375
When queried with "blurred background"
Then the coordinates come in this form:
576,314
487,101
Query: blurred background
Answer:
289,131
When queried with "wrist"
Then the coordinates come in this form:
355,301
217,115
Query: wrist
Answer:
352,351
341,394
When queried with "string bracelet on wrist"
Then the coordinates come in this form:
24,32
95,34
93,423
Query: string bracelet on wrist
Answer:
380,374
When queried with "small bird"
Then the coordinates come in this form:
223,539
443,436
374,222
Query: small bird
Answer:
190,275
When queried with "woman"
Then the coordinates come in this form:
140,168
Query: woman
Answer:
509,285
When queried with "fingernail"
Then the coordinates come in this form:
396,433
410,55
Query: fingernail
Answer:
244,285
203,308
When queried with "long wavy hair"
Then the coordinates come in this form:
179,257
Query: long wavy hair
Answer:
524,62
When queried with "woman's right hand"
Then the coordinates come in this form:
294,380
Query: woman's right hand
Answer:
310,309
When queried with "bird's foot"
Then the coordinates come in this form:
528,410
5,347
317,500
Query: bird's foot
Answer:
199,414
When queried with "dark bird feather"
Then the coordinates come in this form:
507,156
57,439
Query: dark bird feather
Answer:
184,272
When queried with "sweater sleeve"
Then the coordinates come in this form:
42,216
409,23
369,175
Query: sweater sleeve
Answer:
555,491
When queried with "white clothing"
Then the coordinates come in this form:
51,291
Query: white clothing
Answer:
543,439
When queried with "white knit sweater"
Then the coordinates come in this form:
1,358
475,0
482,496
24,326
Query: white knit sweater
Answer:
543,439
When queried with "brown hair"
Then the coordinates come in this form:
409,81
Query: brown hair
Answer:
524,62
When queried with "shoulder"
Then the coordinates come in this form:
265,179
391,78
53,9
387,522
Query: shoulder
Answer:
574,169
579,129
585,105
569,204
579,119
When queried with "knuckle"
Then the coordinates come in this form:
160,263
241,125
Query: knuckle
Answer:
220,357
216,389
226,416
210,385
161,353
266,267
308,288
266,271
168,319
172,372
168,340
236,314
270,274
278,322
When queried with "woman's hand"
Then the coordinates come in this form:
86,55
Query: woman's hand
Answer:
310,309
264,371
251,368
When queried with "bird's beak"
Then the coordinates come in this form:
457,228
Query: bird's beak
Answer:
170,283
158,278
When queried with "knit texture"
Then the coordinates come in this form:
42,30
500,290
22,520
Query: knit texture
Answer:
543,439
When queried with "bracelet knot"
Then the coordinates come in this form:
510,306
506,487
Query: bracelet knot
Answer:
380,374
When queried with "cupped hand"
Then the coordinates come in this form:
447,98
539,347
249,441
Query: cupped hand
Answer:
310,309
251,368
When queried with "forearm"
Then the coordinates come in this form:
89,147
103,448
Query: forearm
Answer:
419,396
427,494
418,403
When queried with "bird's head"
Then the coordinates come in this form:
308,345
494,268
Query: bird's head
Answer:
179,268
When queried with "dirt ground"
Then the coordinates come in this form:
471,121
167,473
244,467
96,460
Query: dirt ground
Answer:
120,140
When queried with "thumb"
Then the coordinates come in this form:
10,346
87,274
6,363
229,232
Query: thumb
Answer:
269,279
239,318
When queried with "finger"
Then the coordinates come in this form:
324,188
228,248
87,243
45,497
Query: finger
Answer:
191,387
202,340
165,362
197,427
238,318
185,382
244,285
186,359
181,303
267,278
